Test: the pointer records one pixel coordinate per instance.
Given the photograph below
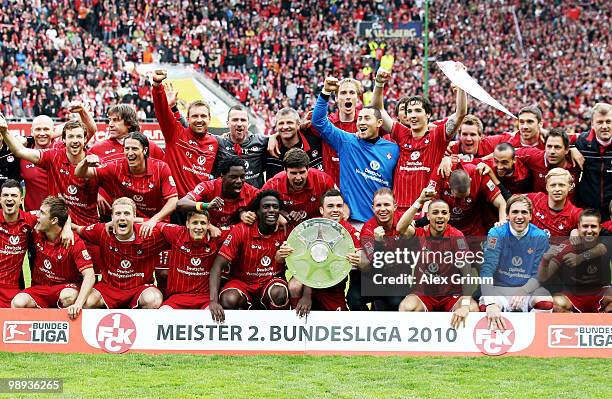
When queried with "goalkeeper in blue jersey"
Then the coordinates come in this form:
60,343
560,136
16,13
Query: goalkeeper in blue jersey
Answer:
512,257
367,161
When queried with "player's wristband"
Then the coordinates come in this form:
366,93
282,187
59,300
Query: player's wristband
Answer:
200,206
378,84
466,302
325,92
417,205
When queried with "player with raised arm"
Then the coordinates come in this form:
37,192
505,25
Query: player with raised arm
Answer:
128,260
583,268
421,147
190,260
257,254
300,187
191,151
438,237
227,198
512,256
304,298
367,161
252,148
61,277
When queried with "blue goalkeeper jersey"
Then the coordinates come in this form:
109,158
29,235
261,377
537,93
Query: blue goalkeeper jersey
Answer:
364,166
513,261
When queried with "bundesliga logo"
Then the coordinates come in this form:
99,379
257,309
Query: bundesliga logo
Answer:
116,333
35,332
493,342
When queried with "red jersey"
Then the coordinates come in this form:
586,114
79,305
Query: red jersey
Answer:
149,190
190,156
230,211
465,213
536,161
54,264
13,246
308,199
419,157
430,263
37,185
81,195
515,141
519,182
607,225
126,264
554,223
189,261
392,237
252,254
353,232
111,150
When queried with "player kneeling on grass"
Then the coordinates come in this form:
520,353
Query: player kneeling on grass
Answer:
583,268
436,288
62,277
304,298
512,256
128,260
257,253
190,259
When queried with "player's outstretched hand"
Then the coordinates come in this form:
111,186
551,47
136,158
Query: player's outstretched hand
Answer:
446,167
216,203
92,161
284,251
217,312
302,309
159,75
146,228
427,194
460,316
382,76
353,259
171,94
248,217
496,321
331,84
73,311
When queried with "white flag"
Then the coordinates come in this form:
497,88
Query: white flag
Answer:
463,80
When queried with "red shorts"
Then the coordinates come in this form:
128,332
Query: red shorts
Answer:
444,303
586,303
187,301
331,298
257,291
6,296
47,296
117,298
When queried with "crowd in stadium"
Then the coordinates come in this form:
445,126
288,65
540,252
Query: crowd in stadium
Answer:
272,54
203,222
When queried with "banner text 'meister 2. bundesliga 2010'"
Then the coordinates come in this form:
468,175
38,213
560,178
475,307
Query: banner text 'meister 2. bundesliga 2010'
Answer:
192,331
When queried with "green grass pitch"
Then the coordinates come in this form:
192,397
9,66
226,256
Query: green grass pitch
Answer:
192,376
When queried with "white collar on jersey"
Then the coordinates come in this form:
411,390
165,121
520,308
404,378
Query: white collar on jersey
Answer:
516,233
